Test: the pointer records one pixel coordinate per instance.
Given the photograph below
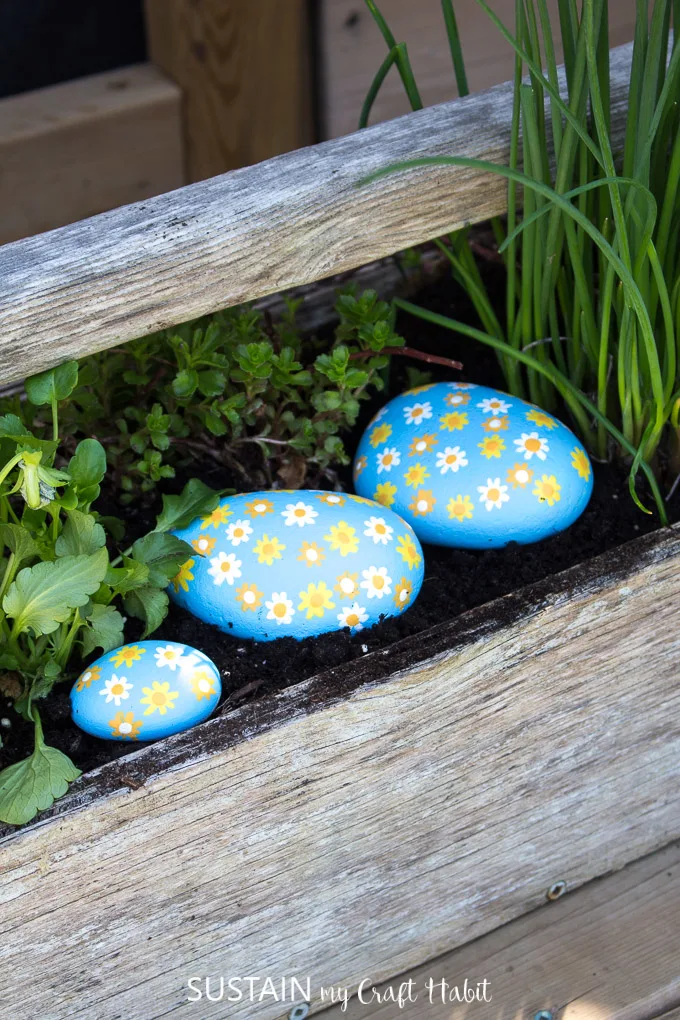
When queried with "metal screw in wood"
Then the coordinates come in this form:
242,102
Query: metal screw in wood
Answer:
543,1014
556,890
299,1012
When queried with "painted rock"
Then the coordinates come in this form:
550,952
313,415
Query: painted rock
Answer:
277,564
145,691
473,468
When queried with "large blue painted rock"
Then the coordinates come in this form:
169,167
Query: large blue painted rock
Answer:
277,564
473,468
145,691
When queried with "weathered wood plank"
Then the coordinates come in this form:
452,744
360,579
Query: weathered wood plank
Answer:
243,67
77,149
435,791
610,951
293,219
352,50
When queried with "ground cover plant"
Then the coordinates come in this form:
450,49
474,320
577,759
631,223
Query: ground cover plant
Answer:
591,246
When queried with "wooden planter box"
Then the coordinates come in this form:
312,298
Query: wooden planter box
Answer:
387,810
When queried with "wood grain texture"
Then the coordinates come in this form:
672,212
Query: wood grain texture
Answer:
433,791
243,67
352,50
293,219
610,951
73,150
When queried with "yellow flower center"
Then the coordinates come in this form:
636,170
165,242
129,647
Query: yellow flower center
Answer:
225,566
238,532
316,600
417,411
548,490
494,495
352,620
387,459
158,698
380,529
117,689
343,537
280,609
378,582
268,549
300,512
533,445
451,459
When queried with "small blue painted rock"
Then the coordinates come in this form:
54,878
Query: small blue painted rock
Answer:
473,468
145,691
295,564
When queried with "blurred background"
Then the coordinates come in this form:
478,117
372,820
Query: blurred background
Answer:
111,102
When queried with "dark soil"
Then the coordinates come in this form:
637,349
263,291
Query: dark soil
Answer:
464,579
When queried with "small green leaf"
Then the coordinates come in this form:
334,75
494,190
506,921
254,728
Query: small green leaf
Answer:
33,785
87,468
195,500
81,535
128,577
163,554
19,541
104,629
185,382
211,382
43,596
54,384
148,604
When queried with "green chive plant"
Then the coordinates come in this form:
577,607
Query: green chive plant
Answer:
63,580
591,315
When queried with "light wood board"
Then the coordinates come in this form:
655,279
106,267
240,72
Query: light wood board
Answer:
352,50
610,951
368,820
243,68
255,231
73,150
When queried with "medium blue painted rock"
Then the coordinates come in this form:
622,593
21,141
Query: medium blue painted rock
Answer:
473,468
294,564
145,691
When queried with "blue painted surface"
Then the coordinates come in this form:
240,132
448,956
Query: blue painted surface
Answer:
145,691
296,564
470,467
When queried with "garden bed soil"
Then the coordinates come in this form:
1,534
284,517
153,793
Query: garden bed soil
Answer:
455,580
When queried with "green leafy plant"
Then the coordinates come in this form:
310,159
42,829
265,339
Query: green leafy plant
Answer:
235,389
61,589
592,246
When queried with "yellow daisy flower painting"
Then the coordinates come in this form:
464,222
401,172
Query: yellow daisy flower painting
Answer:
402,593
547,490
454,421
124,726
315,600
580,463
259,508
422,444
249,597
519,476
406,548
219,516
423,503
88,677
457,399
416,475
159,698
127,655
491,446
332,498
380,434
311,554
183,577
385,493
203,545
497,423
460,508
342,538
541,419
203,684
268,549
360,465
347,585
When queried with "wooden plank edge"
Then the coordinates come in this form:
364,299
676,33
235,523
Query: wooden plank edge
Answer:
334,686
288,221
610,949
